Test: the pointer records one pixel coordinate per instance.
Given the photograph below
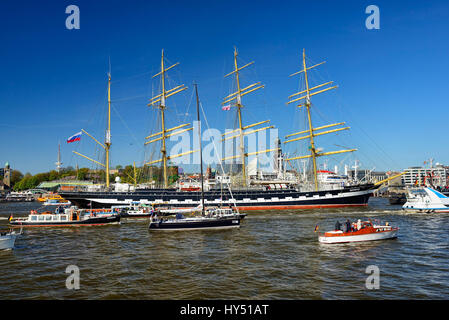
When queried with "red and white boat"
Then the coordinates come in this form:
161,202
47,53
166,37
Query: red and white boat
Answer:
367,232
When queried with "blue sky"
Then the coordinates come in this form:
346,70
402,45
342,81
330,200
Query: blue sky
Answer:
393,82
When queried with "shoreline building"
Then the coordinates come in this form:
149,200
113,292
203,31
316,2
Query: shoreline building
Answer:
438,175
366,175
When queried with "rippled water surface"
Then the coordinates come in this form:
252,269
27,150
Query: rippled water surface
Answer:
274,255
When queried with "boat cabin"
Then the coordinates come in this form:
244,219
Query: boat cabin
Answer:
50,218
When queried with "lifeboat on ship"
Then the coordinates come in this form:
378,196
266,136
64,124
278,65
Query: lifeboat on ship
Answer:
367,232
189,186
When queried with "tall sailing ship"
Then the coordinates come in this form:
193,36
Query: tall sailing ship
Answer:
247,197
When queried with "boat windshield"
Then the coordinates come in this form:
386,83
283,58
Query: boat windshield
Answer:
418,192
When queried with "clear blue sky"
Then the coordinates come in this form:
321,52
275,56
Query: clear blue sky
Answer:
393,82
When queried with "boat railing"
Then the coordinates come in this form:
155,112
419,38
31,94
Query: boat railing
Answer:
10,231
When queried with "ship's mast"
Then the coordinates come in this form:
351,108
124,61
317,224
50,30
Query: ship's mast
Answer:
160,102
239,112
311,131
107,144
235,99
59,163
201,150
107,141
162,108
135,174
307,103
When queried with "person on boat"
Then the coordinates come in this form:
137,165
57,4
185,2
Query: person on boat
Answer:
338,226
359,224
348,226
179,216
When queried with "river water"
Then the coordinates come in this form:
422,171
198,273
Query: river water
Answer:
273,255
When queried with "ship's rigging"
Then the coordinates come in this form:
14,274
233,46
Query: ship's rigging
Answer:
107,143
235,100
159,101
304,101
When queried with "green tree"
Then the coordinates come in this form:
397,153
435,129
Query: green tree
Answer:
16,176
53,175
82,173
23,183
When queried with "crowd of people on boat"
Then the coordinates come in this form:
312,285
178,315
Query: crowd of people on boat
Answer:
442,189
349,226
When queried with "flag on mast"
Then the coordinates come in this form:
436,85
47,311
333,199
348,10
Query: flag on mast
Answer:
75,137
226,108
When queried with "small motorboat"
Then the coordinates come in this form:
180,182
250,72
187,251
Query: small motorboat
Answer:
217,218
134,210
50,198
367,232
7,239
67,217
426,200
56,202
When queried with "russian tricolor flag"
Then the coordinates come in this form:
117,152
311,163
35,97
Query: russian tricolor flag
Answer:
75,137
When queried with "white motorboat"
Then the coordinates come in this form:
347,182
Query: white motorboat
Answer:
426,200
367,232
134,210
7,239
67,217
55,202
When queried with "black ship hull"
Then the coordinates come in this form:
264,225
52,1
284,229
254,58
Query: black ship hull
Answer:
186,224
245,200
